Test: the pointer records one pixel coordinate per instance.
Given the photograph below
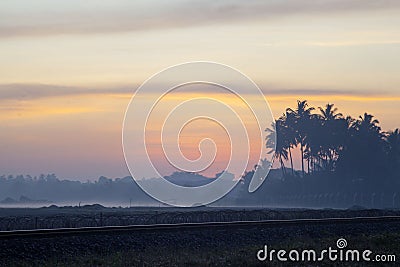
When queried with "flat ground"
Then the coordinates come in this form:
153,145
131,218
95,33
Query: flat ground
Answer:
236,246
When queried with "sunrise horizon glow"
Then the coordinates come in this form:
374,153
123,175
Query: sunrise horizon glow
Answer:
67,75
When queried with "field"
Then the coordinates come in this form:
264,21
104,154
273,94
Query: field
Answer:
229,246
97,215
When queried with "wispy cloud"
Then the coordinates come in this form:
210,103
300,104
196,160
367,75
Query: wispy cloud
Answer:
47,17
351,43
36,91
333,43
359,95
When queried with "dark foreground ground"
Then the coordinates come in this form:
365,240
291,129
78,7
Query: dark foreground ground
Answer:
229,246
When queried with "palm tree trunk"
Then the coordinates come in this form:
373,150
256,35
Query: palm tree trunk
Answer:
291,160
302,158
282,165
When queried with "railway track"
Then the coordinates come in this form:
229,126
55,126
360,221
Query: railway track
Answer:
190,226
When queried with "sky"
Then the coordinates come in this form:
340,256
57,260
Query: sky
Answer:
68,69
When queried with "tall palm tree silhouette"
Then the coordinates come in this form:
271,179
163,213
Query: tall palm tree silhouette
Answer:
331,134
275,141
289,134
302,115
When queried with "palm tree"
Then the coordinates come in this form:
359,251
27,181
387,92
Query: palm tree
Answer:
331,134
329,113
289,134
302,115
366,148
367,124
275,142
314,142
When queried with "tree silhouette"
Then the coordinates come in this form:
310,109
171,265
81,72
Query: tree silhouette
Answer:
366,147
393,151
331,134
278,146
288,133
339,146
329,113
302,115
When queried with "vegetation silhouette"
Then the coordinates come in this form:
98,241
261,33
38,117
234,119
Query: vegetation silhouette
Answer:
345,161
332,143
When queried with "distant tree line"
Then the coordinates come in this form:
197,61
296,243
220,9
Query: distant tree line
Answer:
49,188
344,161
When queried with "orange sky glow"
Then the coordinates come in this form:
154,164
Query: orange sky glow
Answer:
68,70
58,133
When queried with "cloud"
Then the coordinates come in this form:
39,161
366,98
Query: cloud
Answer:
48,17
319,92
351,43
333,43
36,91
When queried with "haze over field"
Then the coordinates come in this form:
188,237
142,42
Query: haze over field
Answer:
69,68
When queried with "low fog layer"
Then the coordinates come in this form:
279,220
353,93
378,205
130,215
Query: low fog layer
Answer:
277,191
